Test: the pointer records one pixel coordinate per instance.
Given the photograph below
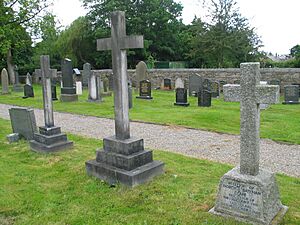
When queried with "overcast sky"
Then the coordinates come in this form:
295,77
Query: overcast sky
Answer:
277,21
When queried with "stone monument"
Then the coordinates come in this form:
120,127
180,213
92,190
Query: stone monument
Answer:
68,91
195,83
17,87
28,79
94,84
204,98
49,139
145,90
247,192
181,97
141,73
291,94
124,159
4,82
179,83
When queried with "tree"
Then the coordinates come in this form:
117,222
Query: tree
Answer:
295,51
16,19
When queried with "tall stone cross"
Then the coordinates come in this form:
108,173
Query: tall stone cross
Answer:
118,43
250,94
47,95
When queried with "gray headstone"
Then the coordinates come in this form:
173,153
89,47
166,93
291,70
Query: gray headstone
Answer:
179,83
17,87
94,86
204,98
215,89
166,84
195,83
68,91
141,71
23,122
181,97
28,91
124,159
247,192
86,74
291,94
222,83
4,82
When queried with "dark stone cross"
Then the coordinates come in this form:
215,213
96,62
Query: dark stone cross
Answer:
118,43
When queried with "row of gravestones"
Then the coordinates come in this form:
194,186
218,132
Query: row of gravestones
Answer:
247,192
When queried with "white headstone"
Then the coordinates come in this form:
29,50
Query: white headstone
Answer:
78,87
179,83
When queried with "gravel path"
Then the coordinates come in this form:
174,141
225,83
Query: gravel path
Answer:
224,148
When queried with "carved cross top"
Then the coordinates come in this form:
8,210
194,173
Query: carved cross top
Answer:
250,94
118,43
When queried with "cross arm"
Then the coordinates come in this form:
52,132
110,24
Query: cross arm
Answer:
133,41
104,44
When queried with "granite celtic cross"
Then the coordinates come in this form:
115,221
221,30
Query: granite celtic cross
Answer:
250,94
118,43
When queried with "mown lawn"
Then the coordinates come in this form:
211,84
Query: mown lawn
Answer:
54,189
279,122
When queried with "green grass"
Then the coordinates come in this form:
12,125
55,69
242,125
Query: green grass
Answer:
54,189
279,122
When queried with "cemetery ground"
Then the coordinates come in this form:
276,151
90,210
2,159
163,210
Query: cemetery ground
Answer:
279,122
55,189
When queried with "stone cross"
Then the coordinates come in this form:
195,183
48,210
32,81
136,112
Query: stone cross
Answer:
118,43
4,81
47,94
250,94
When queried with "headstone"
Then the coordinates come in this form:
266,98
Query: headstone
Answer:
49,139
207,85
141,72
195,83
53,90
291,94
4,82
28,91
124,159
28,79
222,83
247,192
37,76
94,87
179,83
204,98
298,86
86,74
130,101
78,87
263,106
215,89
181,97
68,91
145,90
17,87
167,84
23,122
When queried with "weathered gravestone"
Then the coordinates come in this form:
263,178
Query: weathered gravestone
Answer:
17,87
179,83
145,90
4,82
181,97
78,87
263,106
68,91
28,79
166,84
141,73
222,83
124,159
28,91
207,85
215,89
49,139
248,192
93,84
86,74
23,122
195,83
291,94
106,90
298,86
204,98
130,101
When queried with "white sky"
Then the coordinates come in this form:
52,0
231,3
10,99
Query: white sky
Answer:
277,21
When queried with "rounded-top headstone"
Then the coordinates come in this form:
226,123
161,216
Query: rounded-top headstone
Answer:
4,81
179,83
141,71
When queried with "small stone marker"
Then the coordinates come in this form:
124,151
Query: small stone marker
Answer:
28,91
141,72
94,85
167,84
247,192
4,82
23,122
124,159
78,87
222,83
49,139
195,83
68,91
179,83
181,97
17,87
291,94
145,90
215,89
204,98
28,79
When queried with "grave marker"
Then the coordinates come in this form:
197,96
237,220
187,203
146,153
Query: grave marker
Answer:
49,138
141,73
291,94
124,159
4,82
17,87
93,85
204,98
28,79
195,83
68,91
28,91
179,83
181,97
167,84
215,89
247,192
145,90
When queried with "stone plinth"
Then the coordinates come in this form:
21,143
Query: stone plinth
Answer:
124,161
254,199
50,140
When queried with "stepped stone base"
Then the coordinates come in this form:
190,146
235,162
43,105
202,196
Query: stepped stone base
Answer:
252,199
68,98
50,140
124,161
